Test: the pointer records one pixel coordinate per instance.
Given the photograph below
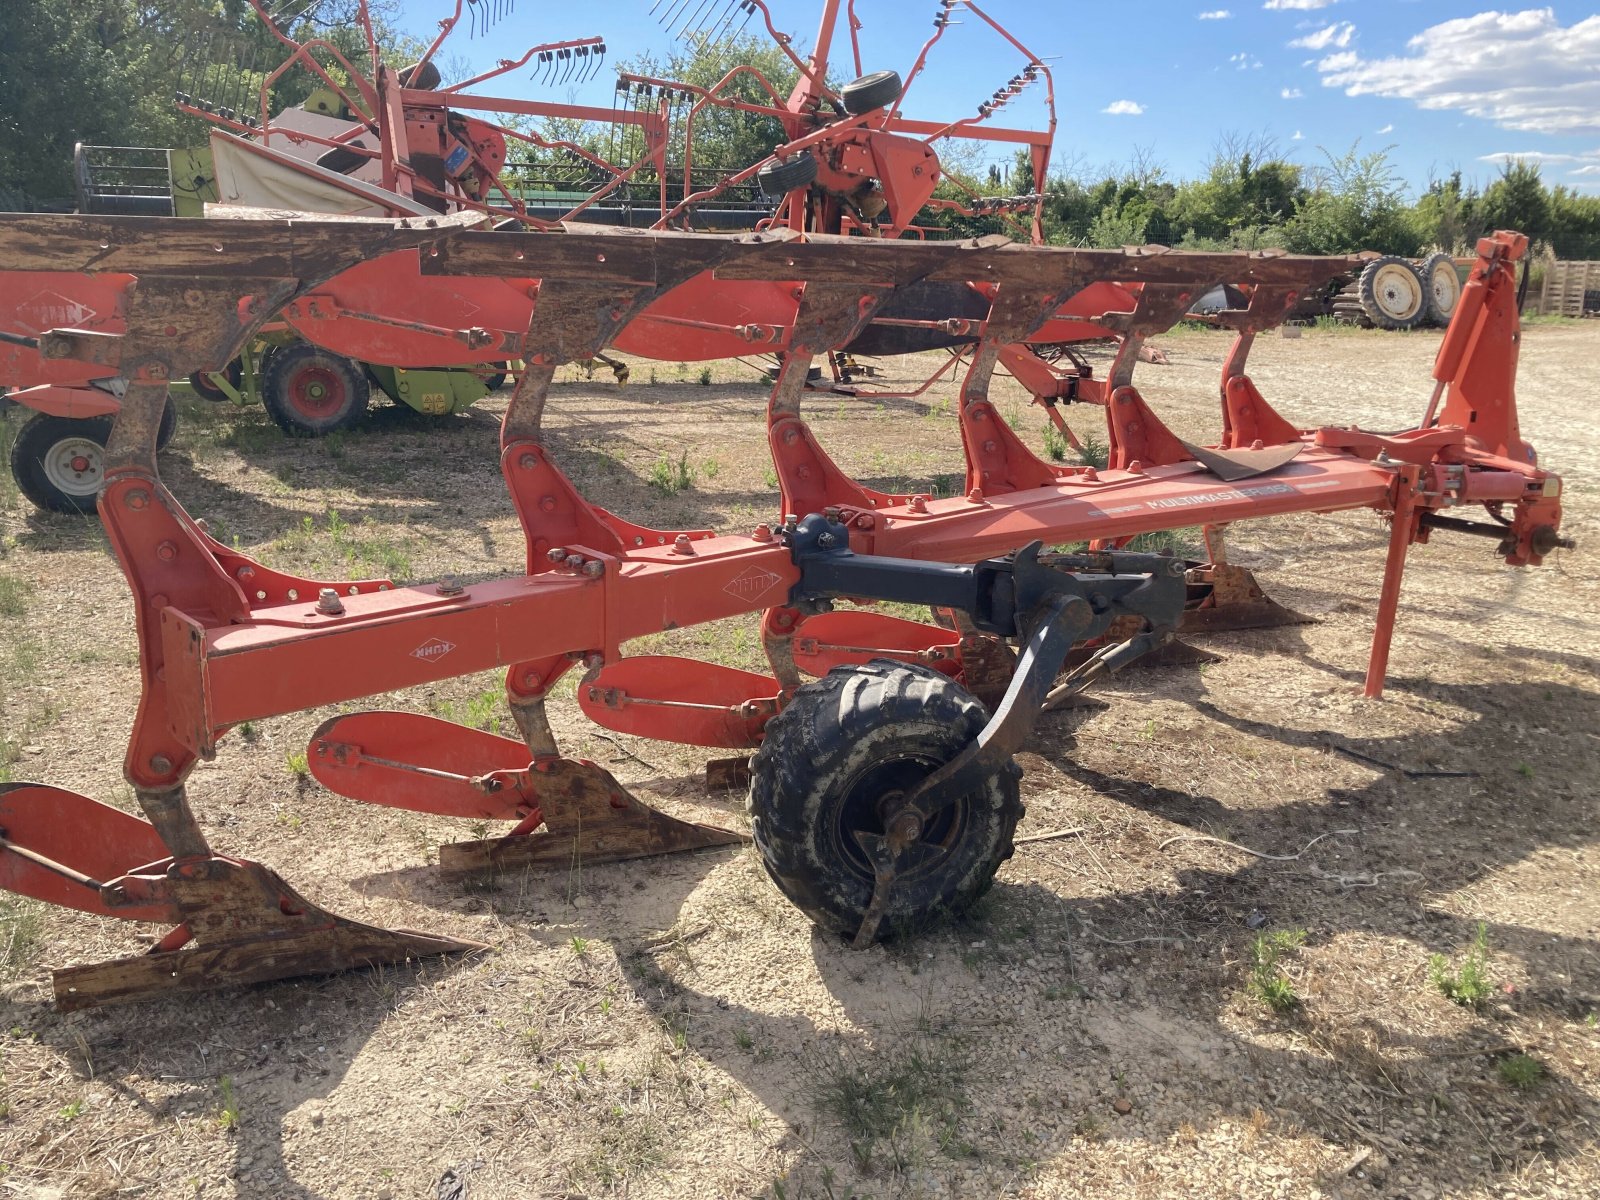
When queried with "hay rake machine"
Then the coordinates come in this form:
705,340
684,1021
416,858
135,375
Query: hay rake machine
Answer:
879,792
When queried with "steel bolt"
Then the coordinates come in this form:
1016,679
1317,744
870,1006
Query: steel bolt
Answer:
448,586
548,504
166,551
161,764
919,504
1136,467
791,522
138,498
832,512
328,602
1090,474
531,679
556,554
594,568
763,532
575,561
527,462
682,545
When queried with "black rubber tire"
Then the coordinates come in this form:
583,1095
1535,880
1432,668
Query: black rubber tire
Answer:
290,376
1393,294
428,81
42,472
877,90
1441,286
341,159
857,734
497,380
781,178
206,390
169,425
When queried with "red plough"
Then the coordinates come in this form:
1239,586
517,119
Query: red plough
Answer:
878,793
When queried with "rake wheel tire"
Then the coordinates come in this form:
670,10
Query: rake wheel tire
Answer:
843,744
312,393
781,178
1393,293
877,90
1442,287
341,160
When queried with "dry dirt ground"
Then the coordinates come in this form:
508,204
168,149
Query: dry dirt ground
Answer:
674,1028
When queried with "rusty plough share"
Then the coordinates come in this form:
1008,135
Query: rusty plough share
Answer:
878,792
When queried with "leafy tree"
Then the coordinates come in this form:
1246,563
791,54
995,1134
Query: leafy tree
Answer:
1517,200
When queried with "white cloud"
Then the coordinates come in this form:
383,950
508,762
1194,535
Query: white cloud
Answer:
1389,128
1291,93
1298,136
1244,61
1297,5
1338,34
1591,169
1534,156
1521,70
1215,14
1123,108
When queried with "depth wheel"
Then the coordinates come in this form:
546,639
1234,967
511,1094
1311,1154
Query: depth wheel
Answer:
59,462
1392,294
313,393
833,763
1443,287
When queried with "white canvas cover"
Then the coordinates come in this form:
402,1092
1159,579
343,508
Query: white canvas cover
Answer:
253,176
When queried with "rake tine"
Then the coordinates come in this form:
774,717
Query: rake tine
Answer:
749,11
692,27
566,57
671,15
718,23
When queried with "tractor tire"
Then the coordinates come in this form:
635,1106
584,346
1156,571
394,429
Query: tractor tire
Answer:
843,744
200,381
59,462
1392,294
781,178
312,393
1442,286
878,90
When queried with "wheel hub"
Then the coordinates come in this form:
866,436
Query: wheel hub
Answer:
73,466
317,392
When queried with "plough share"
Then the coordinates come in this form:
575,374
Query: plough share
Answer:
882,790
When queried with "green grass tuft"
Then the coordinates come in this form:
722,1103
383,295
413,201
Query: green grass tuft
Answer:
1468,985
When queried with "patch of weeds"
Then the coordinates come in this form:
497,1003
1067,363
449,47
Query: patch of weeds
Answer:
247,730
71,1112
669,477
339,548
1520,1071
710,468
1055,446
704,378
1469,984
1096,452
1268,982
14,595
228,1114
480,712
580,946
20,930
628,1143
898,1100
296,764
1525,770
769,476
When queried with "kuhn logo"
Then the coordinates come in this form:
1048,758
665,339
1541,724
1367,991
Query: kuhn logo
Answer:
433,650
752,583
52,310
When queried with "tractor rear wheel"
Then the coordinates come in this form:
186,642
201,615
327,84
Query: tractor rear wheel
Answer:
1443,287
1392,294
781,178
872,91
832,765
312,393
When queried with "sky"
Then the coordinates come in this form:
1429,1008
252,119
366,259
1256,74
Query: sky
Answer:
1442,85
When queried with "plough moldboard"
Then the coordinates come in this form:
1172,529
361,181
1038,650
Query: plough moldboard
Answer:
880,791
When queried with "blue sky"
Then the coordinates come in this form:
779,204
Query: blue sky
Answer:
1447,85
